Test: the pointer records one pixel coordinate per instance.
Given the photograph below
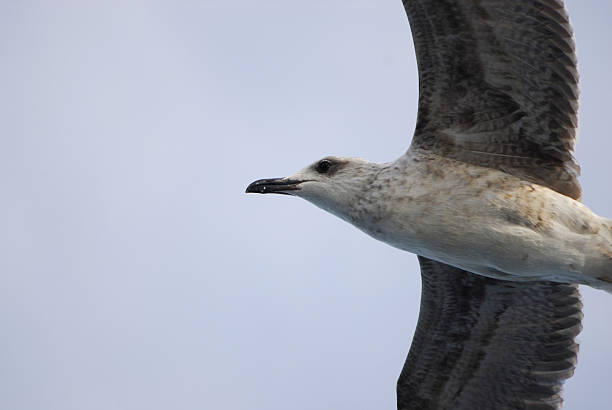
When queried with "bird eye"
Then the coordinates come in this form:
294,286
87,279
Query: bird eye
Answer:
323,166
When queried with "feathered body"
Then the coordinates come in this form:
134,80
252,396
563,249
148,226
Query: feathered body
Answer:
476,218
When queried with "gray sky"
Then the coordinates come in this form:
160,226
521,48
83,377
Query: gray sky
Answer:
136,274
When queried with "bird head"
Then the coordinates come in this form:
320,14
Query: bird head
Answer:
334,184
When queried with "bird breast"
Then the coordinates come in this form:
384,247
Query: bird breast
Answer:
479,219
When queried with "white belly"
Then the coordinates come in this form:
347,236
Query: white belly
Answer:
491,223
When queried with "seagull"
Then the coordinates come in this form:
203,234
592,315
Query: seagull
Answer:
487,196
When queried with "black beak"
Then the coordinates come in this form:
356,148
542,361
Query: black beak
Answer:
274,186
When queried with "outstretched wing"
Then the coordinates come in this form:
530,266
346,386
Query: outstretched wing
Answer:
498,86
482,343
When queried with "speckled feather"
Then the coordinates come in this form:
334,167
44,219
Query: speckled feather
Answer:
498,88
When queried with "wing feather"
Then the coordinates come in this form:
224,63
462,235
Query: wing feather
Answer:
498,86
483,343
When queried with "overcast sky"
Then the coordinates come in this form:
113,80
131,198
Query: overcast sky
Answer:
134,271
